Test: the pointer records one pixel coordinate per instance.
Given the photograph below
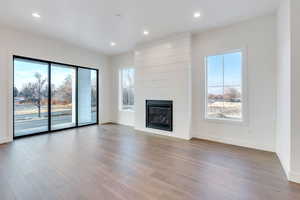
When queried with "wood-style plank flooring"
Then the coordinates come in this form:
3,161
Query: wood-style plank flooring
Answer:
115,162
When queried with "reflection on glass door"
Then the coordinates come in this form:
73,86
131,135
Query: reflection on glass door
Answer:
63,96
30,97
87,96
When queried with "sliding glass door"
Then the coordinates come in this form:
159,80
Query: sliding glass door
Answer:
51,96
63,96
30,97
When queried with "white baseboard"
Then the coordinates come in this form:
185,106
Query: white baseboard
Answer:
5,140
291,176
161,133
284,165
105,123
125,124
235,142
294,177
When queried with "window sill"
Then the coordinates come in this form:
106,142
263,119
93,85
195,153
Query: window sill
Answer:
126,110
226,121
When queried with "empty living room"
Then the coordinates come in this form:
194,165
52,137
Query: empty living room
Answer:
150,100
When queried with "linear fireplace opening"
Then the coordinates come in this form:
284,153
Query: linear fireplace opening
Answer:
159,114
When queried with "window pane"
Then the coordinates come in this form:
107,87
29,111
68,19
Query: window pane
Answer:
30,97
63,91
232,103
214,71
87,96
127,76
233,84
233,69
215,102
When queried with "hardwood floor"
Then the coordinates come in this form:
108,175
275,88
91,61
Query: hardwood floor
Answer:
115,162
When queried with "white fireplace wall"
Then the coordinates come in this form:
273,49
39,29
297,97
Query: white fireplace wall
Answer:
163,72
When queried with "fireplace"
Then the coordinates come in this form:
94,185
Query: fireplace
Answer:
159,114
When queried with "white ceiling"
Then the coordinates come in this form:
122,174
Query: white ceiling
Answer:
93,24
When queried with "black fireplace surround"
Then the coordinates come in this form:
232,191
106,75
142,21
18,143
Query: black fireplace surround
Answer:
159,114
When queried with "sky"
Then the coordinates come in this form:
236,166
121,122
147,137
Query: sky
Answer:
24,72
232,70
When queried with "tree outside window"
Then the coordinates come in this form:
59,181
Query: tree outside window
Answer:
127,88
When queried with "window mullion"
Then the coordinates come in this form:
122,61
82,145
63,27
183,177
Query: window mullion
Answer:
223,77
122,88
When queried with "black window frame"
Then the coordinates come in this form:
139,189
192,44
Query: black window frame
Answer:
76,67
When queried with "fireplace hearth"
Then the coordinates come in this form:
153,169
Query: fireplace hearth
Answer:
159,114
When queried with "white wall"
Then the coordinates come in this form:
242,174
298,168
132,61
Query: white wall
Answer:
295,90
162,71
117,62
288,115
24,44
258,37
283,136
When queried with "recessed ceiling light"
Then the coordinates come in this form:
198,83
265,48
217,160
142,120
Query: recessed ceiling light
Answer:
146,32
197,14
112,44
36,15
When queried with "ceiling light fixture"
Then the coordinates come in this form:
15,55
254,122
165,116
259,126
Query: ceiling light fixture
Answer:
197,14
146,32
36,15
112,44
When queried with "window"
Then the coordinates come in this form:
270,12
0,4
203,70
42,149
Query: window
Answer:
224,91
51,96
127,88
